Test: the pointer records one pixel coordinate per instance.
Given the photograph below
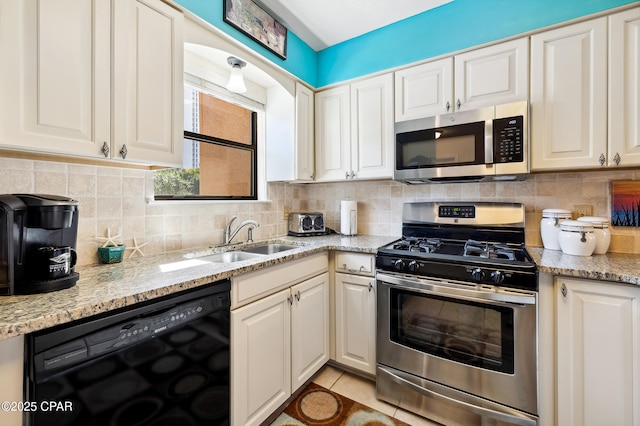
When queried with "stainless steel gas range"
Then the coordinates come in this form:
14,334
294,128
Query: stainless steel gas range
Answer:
457,329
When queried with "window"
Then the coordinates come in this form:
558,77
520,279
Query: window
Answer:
220,151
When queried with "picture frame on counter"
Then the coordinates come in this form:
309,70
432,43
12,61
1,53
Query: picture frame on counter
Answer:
252,20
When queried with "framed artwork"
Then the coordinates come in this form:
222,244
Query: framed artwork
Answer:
625,203
255,22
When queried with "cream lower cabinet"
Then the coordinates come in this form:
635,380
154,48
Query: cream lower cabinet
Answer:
355,311
279,341
598,353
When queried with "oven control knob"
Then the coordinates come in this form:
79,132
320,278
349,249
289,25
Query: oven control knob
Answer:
497,277
477,274
398,264
413,266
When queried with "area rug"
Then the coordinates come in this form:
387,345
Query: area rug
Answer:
317,406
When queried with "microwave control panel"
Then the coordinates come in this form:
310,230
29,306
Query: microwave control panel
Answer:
508,140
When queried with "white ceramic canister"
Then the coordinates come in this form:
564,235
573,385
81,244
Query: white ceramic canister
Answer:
601,231
577,238
550,226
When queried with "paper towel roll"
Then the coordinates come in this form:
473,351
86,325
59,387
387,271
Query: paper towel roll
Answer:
348,217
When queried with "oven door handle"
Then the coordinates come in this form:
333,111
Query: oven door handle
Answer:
496,411
458,291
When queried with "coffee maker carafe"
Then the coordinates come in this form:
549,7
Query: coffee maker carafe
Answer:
38,235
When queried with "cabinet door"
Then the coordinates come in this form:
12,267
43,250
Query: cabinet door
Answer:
493,75
424,90
260,358
355,322
598,341
333,133
305,157
309,329
624,88
55,76
569,96
148,117
372,136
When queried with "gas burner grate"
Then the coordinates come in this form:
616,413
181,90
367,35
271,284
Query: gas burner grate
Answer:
415,244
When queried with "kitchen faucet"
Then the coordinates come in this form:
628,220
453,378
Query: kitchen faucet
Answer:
228,235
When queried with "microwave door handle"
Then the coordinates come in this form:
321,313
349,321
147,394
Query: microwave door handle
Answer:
496,411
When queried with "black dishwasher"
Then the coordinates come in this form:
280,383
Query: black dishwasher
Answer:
163,362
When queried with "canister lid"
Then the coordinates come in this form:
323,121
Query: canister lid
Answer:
598,222
556,213
576,226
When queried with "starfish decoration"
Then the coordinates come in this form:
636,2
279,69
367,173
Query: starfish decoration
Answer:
136,248
109,241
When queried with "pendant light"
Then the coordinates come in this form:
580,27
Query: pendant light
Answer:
236,81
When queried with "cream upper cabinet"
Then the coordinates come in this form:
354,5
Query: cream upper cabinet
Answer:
333,134
488,76
492,75
424,90
372,128
624,88
55,77
63,93
354,130
598,353
569,96
148,108
305,155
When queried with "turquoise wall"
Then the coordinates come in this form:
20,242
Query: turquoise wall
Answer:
453,26
301,59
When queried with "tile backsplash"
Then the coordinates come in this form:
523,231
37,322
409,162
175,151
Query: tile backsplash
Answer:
117,199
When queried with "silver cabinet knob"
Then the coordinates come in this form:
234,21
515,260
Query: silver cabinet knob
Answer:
105,150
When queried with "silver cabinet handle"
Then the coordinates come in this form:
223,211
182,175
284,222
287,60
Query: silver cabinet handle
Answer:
448,106
370,286
616,159
298,295
564,290
105,150
458,104
353,175
123,151
602,159
346,175
290,300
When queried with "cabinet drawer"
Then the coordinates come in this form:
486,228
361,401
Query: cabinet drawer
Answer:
355,263
263,282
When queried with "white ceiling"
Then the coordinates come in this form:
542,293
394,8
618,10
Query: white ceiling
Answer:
323,23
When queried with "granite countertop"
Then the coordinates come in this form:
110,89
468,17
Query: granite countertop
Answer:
102,288
614,267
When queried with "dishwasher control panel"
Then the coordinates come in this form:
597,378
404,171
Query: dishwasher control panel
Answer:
130,332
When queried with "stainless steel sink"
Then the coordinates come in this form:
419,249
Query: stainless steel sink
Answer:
269,248
229,257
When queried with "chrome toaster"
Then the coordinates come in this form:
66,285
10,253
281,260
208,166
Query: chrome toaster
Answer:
306,224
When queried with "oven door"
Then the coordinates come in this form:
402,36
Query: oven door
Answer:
475,339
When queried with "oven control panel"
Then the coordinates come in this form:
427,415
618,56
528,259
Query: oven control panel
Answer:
467,212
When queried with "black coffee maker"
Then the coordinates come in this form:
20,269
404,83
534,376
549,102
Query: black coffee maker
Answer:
38,236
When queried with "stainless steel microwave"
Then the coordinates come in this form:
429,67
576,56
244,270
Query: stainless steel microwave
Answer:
490,143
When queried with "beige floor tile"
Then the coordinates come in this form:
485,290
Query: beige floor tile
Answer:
327,377
363,391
